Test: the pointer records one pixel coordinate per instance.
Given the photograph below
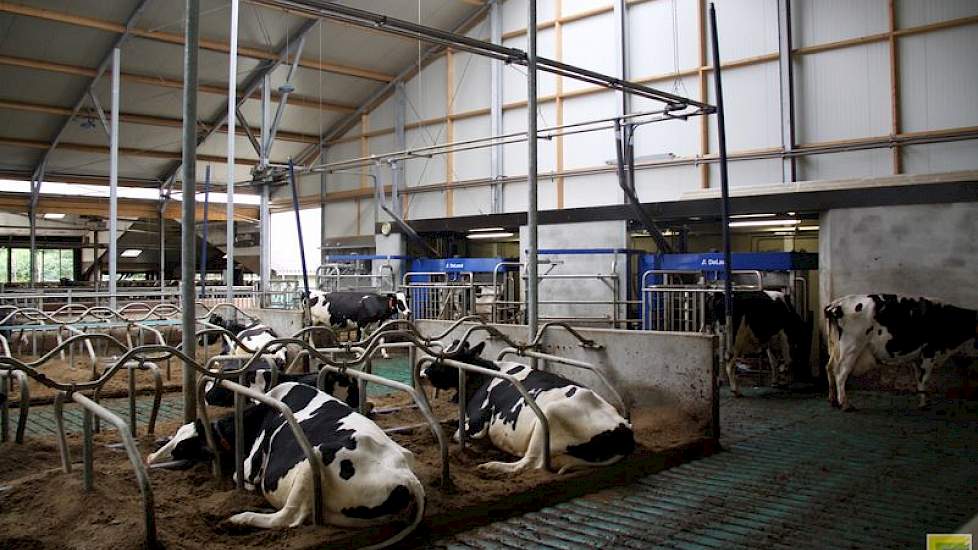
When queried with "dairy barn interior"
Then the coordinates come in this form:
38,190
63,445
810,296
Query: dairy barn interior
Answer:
488,274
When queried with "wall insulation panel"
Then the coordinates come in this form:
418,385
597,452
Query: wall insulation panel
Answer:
653,37
472,164
940,157
748,28
913,13
584,49
938,79
843,94
821,21
341,219
514,154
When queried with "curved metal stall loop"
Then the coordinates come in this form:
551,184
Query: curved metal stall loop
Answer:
142,478
462,367
620,403
319,515
226,305
5,389
585,342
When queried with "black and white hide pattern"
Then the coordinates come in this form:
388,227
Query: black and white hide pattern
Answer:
763,321
585,430
259,378
253,337
866,330
359,311
367,478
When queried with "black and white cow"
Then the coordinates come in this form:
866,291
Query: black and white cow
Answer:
259,378
585,430
763,321
866,330
253,336
367,478
349,310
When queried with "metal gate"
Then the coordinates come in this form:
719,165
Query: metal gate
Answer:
440,295
676,301
346,277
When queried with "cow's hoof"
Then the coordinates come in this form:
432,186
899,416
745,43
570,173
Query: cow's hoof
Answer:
834,404
848,408
736,394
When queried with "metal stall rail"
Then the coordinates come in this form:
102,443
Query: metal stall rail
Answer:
353,273
440,295
676,300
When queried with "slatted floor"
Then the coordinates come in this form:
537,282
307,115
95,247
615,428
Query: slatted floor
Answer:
796,475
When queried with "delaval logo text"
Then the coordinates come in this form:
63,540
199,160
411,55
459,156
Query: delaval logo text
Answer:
454,265
711,262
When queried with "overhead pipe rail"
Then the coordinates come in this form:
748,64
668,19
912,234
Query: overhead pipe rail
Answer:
366,19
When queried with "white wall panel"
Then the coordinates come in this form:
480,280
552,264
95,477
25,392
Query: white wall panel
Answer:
383,143
751,98
748,172
341,219
471,88
591,190
589,149
821,21
514,197
939,79
747,28
940,157
473,201
426,94
666,183
570,7
368,217
514,154
853,164
472,164
652,37
426,205
514,76
383,115
338,152
514,13
583,48
913,13
842,94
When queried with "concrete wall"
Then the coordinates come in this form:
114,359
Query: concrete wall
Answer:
285,322
924,250
606,234
648,369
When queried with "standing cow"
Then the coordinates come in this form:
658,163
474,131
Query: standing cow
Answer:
585,430
366,477
866,330
348,310
763,321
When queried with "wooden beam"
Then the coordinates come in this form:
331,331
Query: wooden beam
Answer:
125,151
178,39
894,86
146,120
449,130
294,99
701,71
128,208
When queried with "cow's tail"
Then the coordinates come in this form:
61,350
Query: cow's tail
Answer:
833,326
417,491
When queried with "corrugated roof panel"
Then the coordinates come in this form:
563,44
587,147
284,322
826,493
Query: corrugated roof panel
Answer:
335,87
16,158
24,125
75,45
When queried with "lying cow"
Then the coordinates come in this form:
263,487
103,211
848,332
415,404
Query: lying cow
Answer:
366,478
358,311
584,429
763,321
259,378
252,336
864,330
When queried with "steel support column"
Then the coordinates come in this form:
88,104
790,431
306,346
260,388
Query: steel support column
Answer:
400,140
724,192
532,281
265,235
496,106
786,75
230,118
114,180
189,230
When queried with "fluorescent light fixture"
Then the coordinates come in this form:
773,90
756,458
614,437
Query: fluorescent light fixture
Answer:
791,213
790,230
761,223
495,229
808,228
737,216
496,235
131,252
55,216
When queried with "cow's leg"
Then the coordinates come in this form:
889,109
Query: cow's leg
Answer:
532,458
298,506
732,375
740,342
922,372
843,369
830,374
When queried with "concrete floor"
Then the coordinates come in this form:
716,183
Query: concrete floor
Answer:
796,474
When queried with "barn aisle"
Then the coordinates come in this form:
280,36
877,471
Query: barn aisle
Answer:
796,474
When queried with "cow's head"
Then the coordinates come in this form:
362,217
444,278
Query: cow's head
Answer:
318,308
445,377
219,396
397,302
187,444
